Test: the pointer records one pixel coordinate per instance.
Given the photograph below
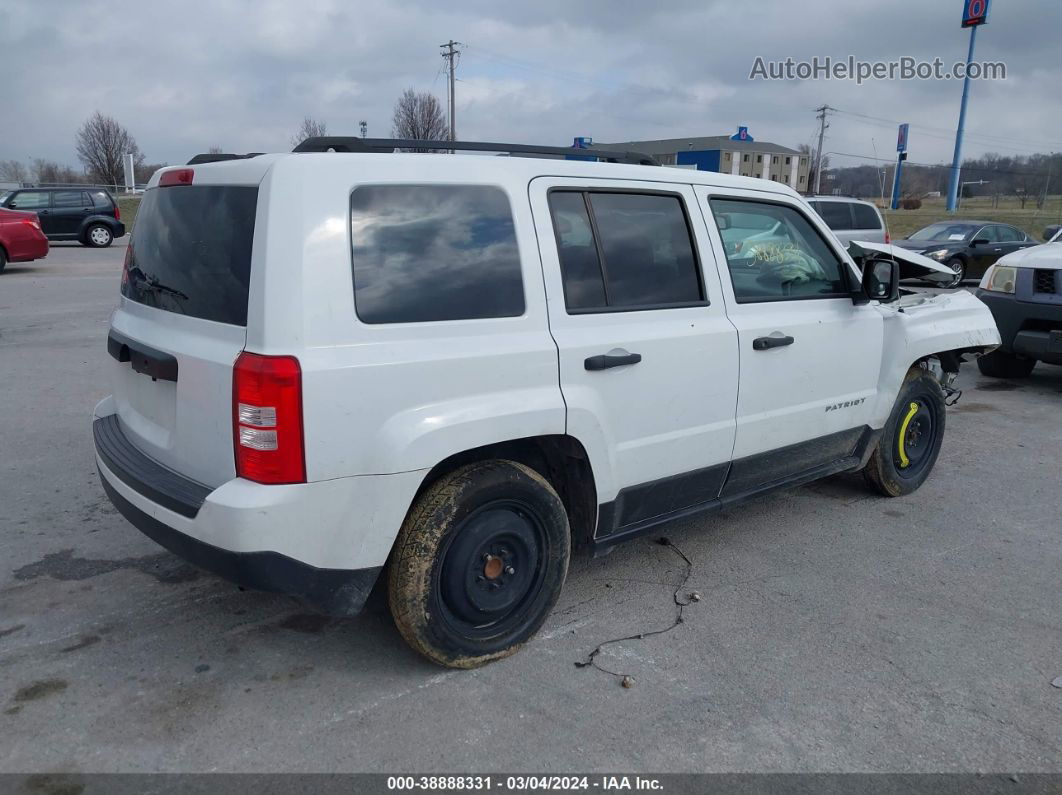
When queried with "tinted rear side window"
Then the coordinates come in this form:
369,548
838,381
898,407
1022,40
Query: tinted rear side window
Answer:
191,251
434,252
70,199
647,250
837,215
865,217
624,251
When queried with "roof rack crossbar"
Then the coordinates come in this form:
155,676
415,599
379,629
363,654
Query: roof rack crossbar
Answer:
342,143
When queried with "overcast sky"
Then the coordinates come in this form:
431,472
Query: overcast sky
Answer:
183,76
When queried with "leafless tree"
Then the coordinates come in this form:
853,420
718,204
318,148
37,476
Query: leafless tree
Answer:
143,172
311,128
13,171
102,144
49,172
419,116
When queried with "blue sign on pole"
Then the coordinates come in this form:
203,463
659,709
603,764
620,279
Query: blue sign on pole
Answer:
974,13
742,135
901,148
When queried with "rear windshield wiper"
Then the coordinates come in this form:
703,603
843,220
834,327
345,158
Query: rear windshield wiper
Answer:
151,282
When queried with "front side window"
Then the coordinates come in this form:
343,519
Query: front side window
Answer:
31,200
426,253
624,251
774,253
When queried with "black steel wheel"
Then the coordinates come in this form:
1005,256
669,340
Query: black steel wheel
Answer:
479,563
911,439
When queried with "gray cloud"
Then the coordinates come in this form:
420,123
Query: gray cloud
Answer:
241,74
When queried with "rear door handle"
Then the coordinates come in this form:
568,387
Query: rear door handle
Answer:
766,343
607,360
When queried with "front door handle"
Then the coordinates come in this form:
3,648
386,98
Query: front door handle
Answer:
766,343
607,360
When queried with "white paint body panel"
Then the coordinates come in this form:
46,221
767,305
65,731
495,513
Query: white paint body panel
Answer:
835,357
385,403
673,412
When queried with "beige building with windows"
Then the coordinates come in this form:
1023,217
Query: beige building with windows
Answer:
747,158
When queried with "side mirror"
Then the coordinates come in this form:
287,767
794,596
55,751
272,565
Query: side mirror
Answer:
981,241
12,206
881,280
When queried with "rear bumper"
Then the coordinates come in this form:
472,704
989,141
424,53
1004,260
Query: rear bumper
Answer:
1027,328
323,542
28,249
337,592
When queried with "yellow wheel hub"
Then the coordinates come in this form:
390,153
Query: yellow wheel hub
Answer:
901,437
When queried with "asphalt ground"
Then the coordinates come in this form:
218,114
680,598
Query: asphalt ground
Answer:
836,630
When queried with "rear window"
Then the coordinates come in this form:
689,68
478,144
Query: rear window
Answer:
190,252
102,199
866,217
434,252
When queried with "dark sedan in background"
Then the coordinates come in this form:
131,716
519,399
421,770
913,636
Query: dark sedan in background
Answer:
967,247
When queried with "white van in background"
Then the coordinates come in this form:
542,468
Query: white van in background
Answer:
851,219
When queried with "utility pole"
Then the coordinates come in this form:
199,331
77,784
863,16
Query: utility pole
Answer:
818,152
450,53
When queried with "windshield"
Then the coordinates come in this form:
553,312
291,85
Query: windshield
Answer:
935,232
3,195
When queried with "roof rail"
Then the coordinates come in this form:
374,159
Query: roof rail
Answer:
217,157
342,143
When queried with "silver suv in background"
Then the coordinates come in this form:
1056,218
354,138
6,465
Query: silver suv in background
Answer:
851,219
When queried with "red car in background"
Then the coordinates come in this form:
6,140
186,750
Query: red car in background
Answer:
21,238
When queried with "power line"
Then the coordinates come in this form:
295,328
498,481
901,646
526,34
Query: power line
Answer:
987,139
968,165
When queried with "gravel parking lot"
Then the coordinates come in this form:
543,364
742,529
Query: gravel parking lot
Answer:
837,630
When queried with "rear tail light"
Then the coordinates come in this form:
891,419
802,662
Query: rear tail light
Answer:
178,176
117,213
125,264
888,238
33,223
267,418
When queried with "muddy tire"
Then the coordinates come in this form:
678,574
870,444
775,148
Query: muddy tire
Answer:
479,563
1000,364
910,442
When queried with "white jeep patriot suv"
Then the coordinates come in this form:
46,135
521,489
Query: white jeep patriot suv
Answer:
462,368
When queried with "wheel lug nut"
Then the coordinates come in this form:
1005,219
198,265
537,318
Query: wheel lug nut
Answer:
510,570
